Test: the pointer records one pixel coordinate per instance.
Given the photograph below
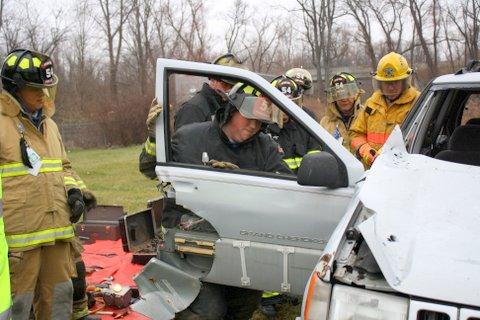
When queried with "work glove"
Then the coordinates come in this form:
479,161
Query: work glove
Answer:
89,199
155,110
222,164
76,204
367,154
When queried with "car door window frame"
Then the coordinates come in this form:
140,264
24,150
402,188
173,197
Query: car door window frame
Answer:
168,131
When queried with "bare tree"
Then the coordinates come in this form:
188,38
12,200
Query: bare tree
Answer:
2,5
139,44
319,17
237,21
361,13
467,22
261,47
390,16
419,10
112,22
189,28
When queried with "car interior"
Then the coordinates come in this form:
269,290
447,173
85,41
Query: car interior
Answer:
453,131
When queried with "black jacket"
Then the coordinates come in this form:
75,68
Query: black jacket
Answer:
259,153
294,140
200,108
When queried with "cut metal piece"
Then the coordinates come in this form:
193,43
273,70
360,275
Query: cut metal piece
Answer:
165,290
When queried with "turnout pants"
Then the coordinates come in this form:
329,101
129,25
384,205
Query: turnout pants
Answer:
41,277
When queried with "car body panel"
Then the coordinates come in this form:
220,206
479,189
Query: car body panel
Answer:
424,234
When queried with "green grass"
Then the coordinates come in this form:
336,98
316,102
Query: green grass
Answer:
113,176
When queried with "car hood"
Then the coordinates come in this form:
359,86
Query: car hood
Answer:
425,230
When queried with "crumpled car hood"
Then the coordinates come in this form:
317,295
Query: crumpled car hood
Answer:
425,233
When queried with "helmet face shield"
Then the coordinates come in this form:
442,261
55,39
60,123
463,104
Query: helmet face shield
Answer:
342,91
257,108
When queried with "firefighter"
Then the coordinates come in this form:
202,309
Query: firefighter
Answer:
41,196
5,294
200,108
231,137
388,106
233,140
343,98
212,96
304,81
292,138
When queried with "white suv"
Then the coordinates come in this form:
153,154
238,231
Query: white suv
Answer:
409,245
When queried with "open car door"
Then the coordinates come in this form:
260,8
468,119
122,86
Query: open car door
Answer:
269,231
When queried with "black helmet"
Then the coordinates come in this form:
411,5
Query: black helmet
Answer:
287,86
27,68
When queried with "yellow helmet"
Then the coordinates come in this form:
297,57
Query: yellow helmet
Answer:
392,67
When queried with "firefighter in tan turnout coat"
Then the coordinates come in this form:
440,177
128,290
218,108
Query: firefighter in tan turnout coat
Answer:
41,195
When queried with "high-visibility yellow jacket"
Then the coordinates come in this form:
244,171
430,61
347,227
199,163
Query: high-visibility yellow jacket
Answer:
334,124
5,294
376,120
35,209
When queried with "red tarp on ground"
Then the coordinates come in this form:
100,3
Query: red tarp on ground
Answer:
109,259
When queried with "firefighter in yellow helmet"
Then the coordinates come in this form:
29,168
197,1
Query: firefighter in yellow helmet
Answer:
5,294
388,106
41,195
343,98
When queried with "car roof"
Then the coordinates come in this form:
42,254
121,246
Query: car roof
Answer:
467,78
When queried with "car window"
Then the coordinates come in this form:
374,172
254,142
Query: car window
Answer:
441,115
192,106
471,113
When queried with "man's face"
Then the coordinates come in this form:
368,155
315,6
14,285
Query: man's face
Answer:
391,89
346,105
240,128
34,98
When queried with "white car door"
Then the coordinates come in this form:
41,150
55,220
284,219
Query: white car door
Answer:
271,229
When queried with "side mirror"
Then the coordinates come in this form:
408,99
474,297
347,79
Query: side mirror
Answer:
318,169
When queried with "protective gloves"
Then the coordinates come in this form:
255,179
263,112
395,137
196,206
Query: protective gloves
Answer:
367,154
222,164
155,110
76,204
89,199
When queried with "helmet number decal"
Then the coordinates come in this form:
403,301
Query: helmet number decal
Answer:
49,72
286,90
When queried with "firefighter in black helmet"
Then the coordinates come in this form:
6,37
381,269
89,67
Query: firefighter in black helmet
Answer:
294,140
33,161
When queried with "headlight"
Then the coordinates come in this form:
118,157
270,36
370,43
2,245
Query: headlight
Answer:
349,303
316,298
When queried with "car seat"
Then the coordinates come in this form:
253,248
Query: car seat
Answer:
463,146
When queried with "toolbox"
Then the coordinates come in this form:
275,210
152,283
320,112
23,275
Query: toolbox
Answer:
100,223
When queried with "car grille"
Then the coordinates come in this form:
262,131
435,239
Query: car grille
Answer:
420,310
